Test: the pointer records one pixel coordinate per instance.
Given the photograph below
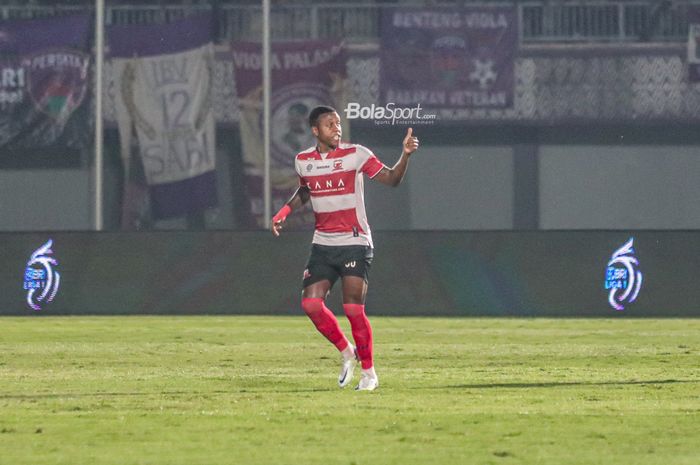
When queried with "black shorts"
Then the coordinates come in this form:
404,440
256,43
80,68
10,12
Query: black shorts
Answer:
332,262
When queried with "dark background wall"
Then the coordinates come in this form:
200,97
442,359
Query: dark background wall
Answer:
463,178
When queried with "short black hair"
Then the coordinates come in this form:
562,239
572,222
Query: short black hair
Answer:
317,112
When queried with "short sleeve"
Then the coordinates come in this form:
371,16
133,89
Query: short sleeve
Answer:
371,166
298,171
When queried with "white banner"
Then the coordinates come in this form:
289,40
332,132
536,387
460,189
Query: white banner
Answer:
167,98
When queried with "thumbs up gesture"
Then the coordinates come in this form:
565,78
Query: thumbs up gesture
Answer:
410,143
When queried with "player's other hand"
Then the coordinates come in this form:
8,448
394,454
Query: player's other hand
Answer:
278,220
410,143
277,226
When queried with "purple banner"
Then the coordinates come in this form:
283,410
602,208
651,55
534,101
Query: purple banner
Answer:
694,43
448,57
304,75
44,75
140,40
184,197
28,36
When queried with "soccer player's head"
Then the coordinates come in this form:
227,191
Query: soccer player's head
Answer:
325,125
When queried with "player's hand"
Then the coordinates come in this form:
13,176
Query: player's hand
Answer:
278,220
277,226
410,143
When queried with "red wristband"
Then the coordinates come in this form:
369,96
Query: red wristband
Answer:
282,214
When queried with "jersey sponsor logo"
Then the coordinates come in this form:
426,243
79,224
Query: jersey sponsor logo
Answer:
332,184
328,184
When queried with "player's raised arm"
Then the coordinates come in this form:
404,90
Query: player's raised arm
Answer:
300,197
393,176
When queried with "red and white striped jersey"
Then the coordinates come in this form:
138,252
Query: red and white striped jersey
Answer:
335,180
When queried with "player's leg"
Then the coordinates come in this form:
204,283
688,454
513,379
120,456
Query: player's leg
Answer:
318,281
312,302
355,282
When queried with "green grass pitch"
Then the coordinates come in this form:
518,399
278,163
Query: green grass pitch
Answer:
262,390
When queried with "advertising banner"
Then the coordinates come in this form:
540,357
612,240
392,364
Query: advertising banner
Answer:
610,274
449,58
163,84
44,80
304,75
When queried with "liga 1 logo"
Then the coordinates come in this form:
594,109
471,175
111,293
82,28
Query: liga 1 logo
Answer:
41,279
622,276
57,81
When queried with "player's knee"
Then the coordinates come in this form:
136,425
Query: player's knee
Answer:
354,309
311,305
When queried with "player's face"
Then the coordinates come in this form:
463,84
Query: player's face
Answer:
328,130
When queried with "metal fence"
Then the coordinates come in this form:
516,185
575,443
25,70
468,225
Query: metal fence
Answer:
604,21
149,14
540,21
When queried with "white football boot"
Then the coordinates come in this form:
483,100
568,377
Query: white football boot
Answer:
347,368
369,381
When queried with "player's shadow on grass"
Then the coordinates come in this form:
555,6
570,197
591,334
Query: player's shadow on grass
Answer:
564,384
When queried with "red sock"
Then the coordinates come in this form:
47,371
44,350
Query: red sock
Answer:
325,322
361,332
